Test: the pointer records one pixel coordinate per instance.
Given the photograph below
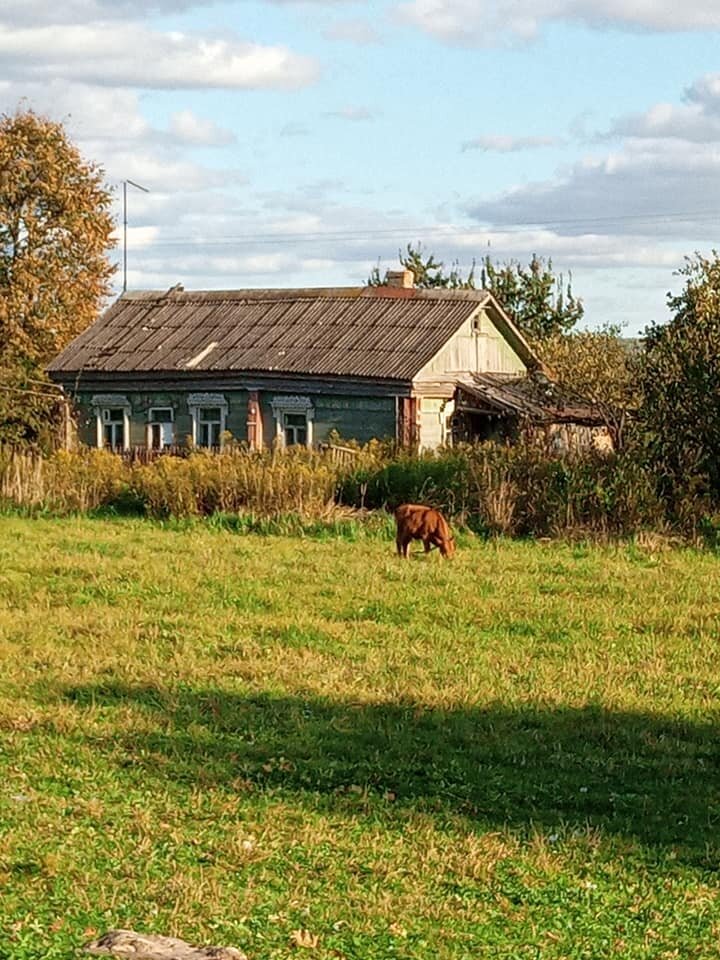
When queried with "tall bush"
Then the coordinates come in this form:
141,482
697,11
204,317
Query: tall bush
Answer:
680,380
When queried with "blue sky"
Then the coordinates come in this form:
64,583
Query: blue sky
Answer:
293,143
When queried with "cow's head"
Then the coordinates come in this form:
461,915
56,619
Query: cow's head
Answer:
447,547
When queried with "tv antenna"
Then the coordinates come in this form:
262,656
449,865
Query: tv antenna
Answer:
125,224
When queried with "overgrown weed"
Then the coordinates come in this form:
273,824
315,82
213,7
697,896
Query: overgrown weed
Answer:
524,490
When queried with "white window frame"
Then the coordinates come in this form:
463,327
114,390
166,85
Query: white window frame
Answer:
102,404
155,420
282,406
200,401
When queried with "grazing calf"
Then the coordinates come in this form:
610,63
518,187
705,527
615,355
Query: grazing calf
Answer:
417,522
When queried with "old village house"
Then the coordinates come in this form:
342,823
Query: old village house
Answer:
287,367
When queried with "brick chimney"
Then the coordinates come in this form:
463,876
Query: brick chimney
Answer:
402,279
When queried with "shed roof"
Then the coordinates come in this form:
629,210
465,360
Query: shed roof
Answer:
533,397
377,332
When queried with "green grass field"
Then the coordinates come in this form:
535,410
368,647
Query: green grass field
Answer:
306,747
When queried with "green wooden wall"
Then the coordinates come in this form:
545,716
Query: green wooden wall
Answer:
353,417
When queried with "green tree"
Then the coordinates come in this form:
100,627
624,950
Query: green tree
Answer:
680,381
600,366
55,233
539,302
429,273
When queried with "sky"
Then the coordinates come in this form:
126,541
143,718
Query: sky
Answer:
295,143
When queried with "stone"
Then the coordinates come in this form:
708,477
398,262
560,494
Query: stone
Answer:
140,946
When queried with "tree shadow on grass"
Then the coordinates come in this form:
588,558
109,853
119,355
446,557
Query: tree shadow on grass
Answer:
641,776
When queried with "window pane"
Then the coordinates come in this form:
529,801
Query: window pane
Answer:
209,414
115,415
295,419
113,435
295,436
161,415
209,434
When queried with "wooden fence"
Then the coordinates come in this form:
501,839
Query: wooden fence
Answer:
342,456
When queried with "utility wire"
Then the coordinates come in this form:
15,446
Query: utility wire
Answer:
320,236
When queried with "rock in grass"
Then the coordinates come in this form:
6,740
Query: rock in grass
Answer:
141,946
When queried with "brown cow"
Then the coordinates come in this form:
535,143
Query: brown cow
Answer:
417,522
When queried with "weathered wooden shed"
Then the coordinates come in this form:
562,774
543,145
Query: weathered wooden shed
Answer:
492,406
284,366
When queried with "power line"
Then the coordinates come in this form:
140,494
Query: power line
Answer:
368,234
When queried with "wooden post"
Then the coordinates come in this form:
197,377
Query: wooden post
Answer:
254,421
408,432
67,425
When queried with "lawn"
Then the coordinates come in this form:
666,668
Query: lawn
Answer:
306,747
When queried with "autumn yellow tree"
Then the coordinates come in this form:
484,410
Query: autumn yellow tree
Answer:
55,233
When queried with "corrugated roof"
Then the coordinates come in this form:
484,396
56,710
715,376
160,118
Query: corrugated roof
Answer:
379,332
534,397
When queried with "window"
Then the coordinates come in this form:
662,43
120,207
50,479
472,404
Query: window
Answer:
209,412
210,423
112,419
114,428
160,427
295,425
293,421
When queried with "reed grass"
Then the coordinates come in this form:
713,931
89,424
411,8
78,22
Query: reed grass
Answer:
521,490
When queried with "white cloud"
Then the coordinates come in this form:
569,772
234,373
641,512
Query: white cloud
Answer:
706,93
103,113
503,143
486,23
41,12
137,236
166,172
107,115
695,121
669,121
655,189
131,56
187,127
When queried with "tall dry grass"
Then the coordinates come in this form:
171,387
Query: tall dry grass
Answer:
267,484
515,490
63,482
237,480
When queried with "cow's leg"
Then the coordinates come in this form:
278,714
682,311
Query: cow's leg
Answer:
427,545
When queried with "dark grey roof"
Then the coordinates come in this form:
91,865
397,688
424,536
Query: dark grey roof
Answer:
377,332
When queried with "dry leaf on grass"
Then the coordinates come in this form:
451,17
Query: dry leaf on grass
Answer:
305,939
